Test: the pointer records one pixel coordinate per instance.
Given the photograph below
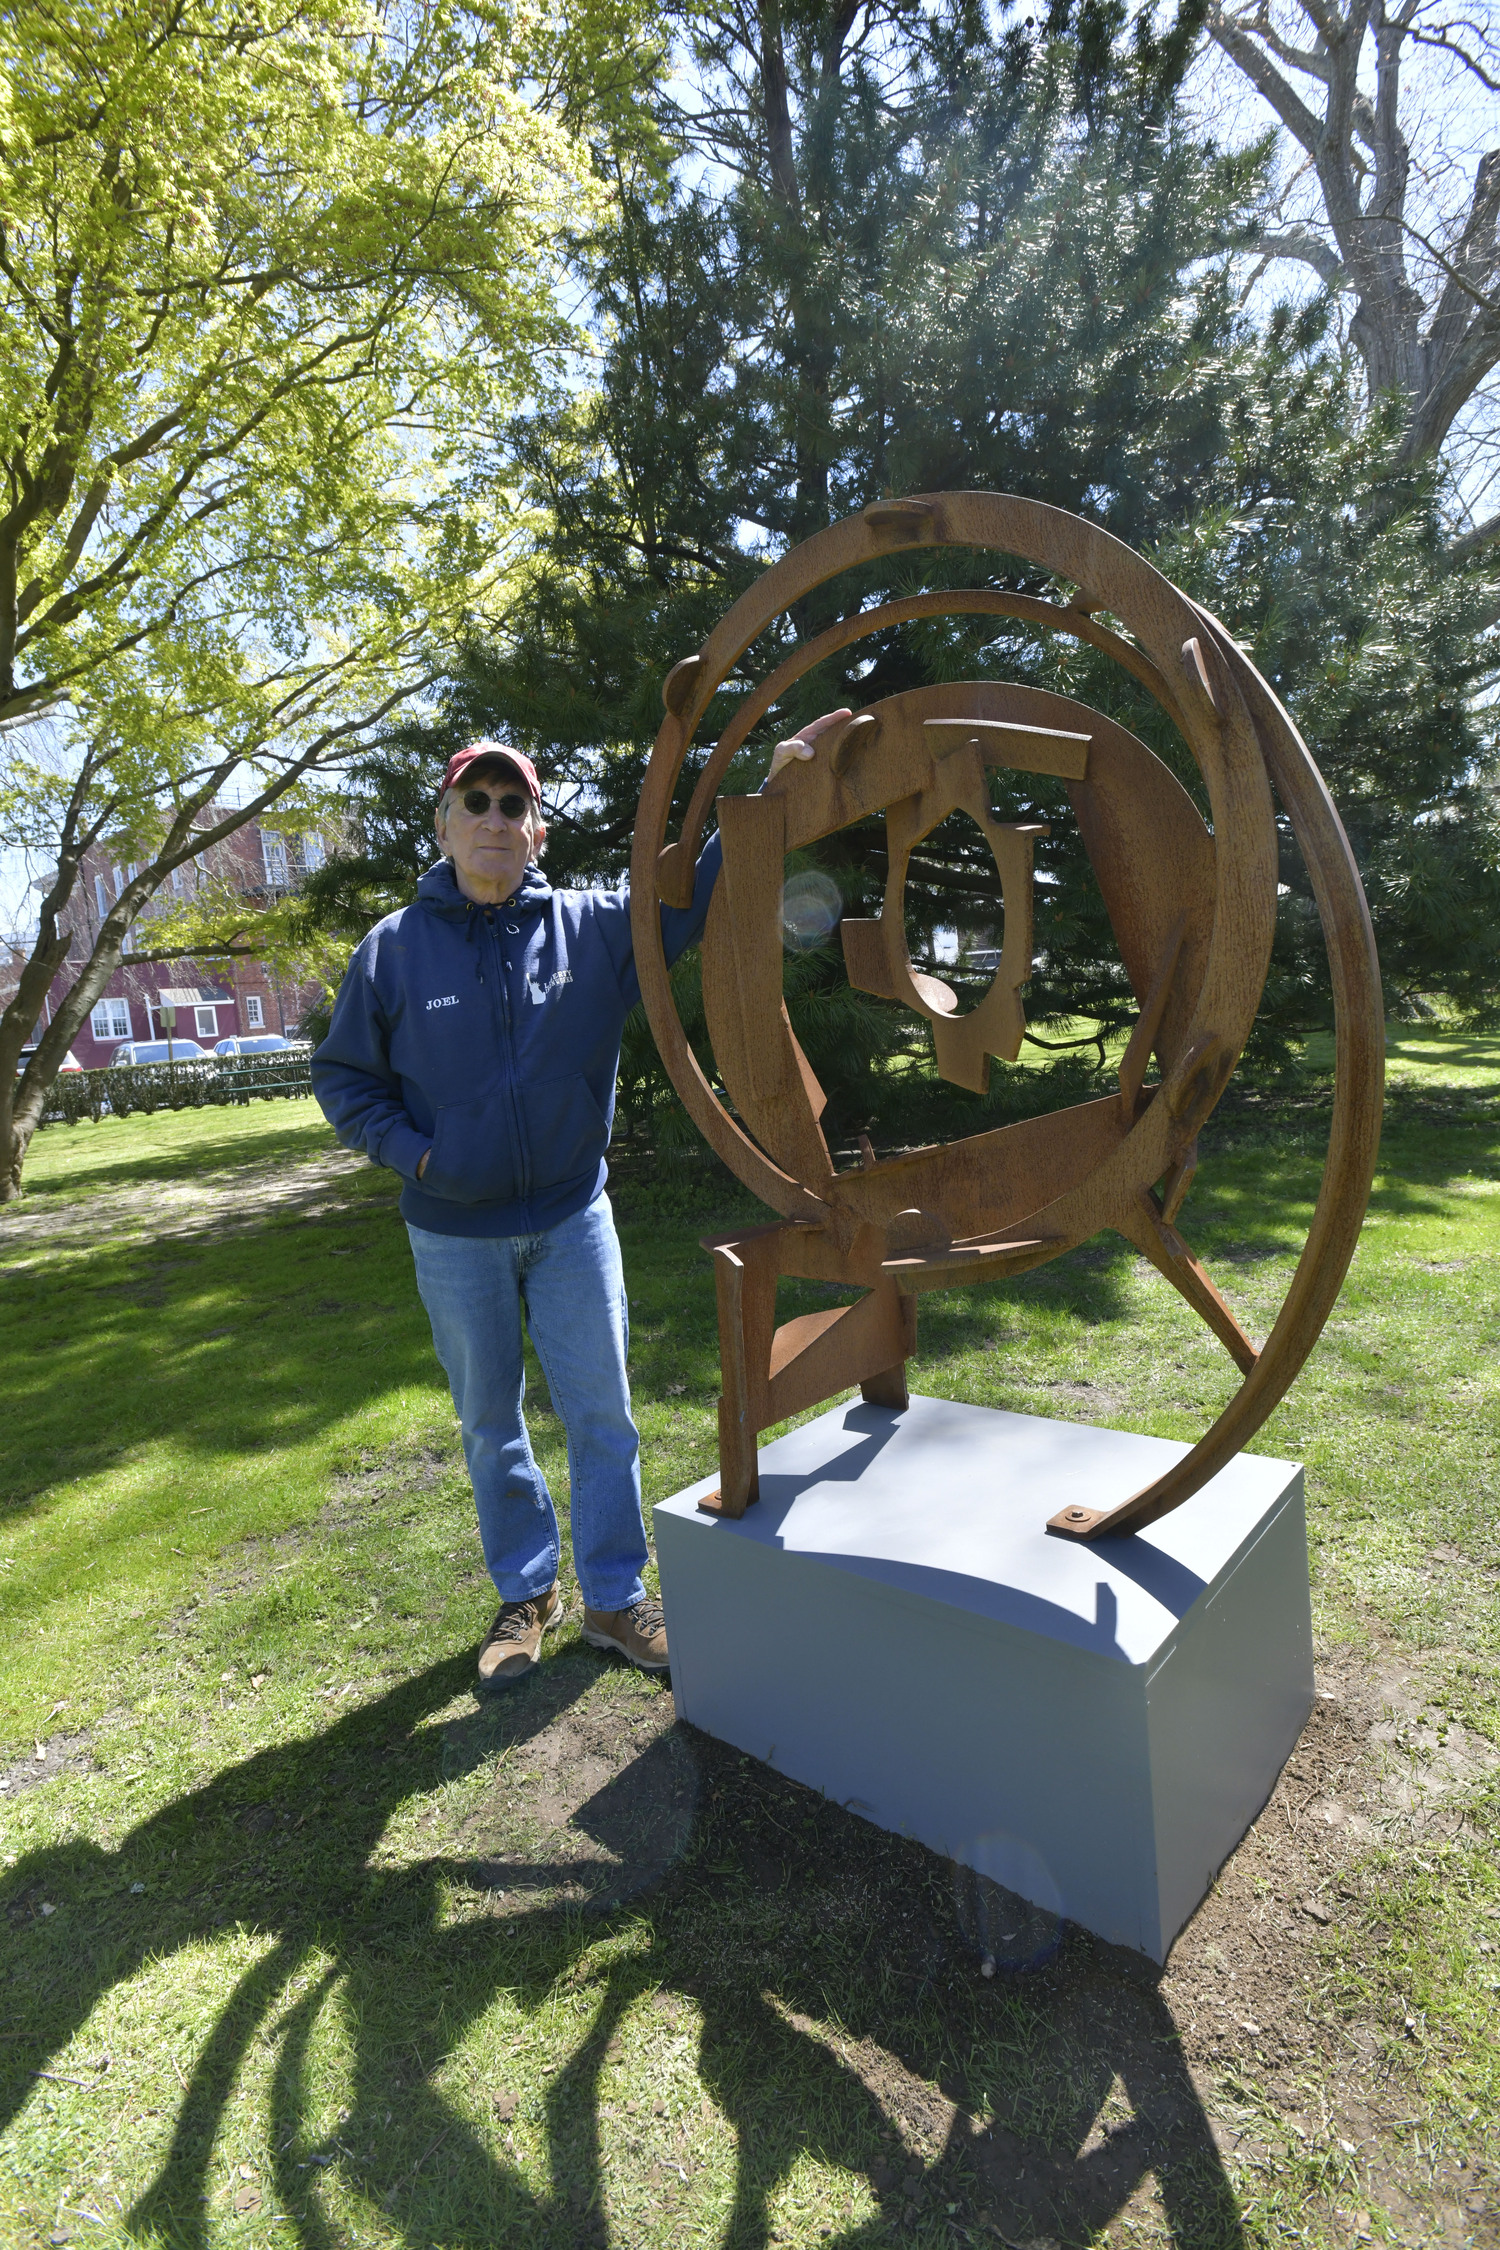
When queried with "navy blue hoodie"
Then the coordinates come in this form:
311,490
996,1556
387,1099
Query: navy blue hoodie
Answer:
491,1034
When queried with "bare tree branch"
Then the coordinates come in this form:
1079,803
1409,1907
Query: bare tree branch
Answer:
1472,543
1309,249
1447,46
1428,333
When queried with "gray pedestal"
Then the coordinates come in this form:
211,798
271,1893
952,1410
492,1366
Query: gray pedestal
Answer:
1094,1726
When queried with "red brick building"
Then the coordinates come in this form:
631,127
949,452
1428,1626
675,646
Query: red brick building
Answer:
214,999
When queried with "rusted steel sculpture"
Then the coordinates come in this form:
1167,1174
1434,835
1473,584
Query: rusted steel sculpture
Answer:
1192,909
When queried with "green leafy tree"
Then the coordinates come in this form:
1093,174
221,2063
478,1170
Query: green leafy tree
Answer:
263,277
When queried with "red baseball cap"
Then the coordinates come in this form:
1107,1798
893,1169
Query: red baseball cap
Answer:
491,753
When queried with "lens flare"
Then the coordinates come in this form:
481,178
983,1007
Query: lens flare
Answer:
1008,1904
810,907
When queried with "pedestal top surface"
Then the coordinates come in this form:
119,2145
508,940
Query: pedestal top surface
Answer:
951,1502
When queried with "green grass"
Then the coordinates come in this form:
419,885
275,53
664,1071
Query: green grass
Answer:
371,1963
70,1161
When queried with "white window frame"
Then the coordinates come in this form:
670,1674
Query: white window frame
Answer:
313,853
101,896
255,1019
274,858
206,1022
119,875
111,1018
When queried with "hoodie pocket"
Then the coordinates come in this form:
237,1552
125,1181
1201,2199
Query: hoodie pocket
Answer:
565,1127
474,1159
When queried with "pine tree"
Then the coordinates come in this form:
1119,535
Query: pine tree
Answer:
996,264
965,265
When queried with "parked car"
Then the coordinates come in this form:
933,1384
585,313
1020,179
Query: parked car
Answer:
260,1043
69,1062
160,1051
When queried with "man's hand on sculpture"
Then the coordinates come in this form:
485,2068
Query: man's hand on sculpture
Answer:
804,743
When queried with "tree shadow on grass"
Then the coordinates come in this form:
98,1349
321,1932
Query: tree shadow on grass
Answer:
259,1301
1027,2183
227,1144
1088,1284
839,2014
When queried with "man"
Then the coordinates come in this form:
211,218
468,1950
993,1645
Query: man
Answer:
474,1048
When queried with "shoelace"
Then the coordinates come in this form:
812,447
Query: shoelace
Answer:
514,1624
647,1617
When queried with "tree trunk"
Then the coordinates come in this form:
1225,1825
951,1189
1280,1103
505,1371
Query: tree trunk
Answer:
23,1099
1432,356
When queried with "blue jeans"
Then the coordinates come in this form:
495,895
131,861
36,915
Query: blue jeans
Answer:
568,1288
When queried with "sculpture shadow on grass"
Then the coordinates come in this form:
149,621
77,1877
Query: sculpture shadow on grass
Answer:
831,1982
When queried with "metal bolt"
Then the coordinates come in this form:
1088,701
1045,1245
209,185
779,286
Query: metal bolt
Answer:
1078,1515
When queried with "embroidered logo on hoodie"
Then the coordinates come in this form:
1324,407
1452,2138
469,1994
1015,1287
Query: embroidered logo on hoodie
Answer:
539,987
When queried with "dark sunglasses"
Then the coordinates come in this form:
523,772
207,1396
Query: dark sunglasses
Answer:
478,802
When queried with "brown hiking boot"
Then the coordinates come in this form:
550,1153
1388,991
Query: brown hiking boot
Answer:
513,1645
637,1633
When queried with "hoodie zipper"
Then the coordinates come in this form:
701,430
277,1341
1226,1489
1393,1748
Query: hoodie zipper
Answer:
523,1152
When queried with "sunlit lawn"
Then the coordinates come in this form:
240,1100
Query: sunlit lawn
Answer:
241,1595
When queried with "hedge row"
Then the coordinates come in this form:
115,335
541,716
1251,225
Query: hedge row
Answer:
117,1092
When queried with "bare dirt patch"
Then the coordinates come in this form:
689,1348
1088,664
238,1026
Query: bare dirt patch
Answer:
1238,1975
57,1754
1247,1985
1092,1396
390,1475
593,1792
